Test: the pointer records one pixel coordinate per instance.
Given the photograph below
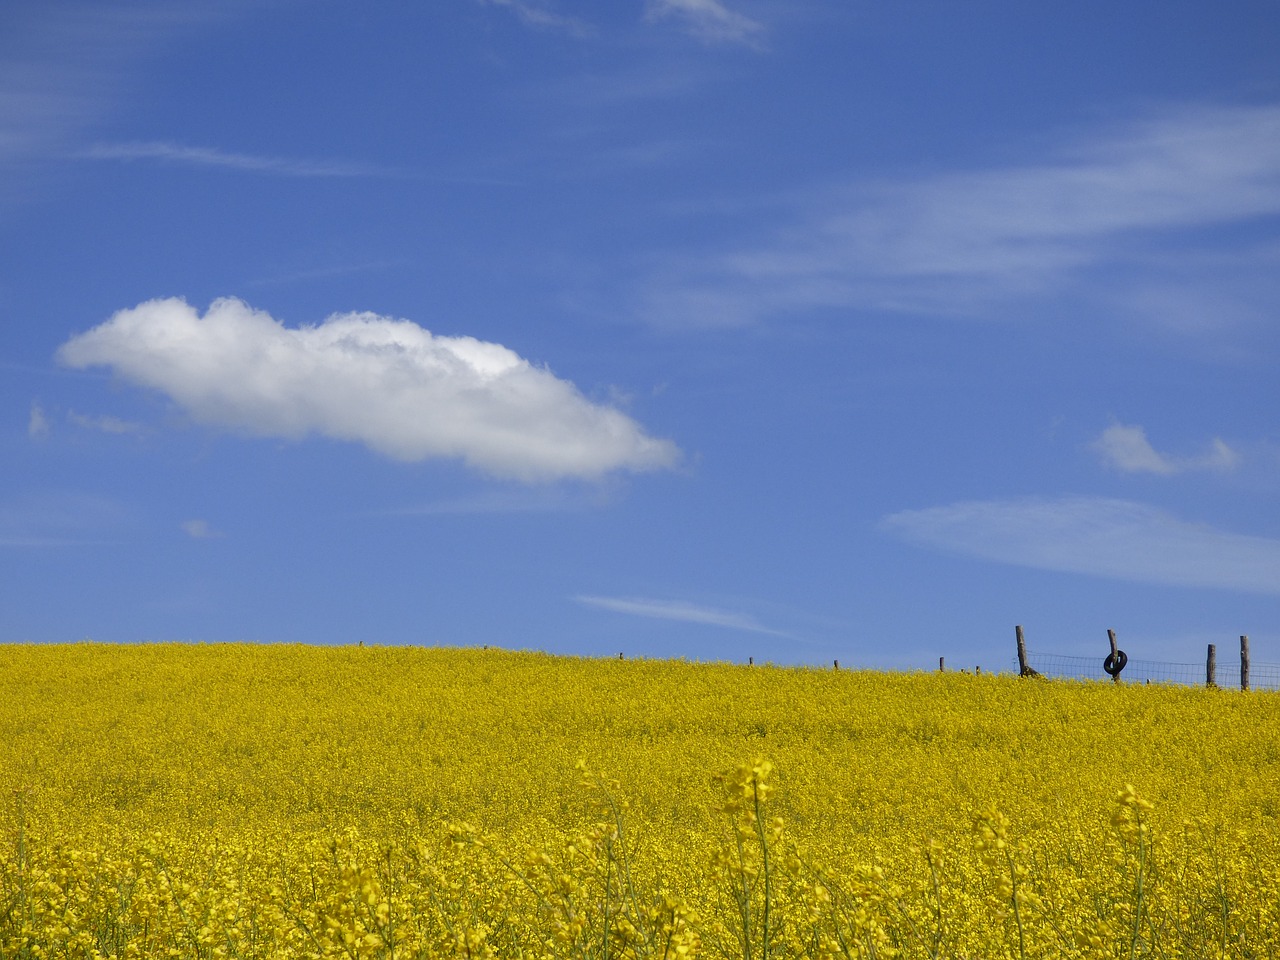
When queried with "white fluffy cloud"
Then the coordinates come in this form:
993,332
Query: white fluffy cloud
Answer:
1106,538
1128,450
389,384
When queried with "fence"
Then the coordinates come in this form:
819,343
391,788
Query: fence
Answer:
1243,676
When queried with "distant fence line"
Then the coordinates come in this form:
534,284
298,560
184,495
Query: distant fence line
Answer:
1262,676
1118,667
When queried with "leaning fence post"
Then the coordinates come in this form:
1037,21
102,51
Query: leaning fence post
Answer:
1211,667
1244,663
1024,669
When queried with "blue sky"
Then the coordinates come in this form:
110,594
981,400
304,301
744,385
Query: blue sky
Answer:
705,328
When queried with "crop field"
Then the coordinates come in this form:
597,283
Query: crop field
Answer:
289,801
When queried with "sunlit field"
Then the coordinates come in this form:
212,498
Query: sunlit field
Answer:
290,801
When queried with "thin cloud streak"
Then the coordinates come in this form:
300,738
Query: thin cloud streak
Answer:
105,423
487,504
1117,539
965,243
66,68
166,152
51,519
708,20
678,610
41,543
541,17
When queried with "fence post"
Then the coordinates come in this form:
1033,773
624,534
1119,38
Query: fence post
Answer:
1244,663
1024,669
837,664
1211,667
942,664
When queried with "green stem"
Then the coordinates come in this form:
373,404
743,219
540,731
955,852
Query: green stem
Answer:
1140,891
764,858
1017,910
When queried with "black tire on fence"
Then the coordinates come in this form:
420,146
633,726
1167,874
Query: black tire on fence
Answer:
1115,662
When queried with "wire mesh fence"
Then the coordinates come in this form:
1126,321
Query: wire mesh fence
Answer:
1262,676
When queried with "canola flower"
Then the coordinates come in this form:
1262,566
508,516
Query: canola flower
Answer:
296,802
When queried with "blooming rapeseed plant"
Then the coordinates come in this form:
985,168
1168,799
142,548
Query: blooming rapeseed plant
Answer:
248,801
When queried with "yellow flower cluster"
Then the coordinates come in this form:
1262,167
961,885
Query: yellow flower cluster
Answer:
246,801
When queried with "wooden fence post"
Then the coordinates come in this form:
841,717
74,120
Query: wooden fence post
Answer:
1211,667
1244,663
942,664
1024,669
837,664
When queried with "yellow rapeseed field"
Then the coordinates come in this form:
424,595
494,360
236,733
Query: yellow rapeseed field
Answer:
289,801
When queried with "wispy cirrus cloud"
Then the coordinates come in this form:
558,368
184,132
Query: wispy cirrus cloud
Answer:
542,16
1127,449
1118,539
59,519
708,20
678,610
1120,214
166,152
389,384
494,502
105,423
37,423
65,67
200,530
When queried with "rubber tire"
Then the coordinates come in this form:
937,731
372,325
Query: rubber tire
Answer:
1114,664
